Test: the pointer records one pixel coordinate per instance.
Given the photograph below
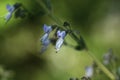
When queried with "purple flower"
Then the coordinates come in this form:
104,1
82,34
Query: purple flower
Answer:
61,35
47,30
45,45
46,42
10,10
8,16
45,38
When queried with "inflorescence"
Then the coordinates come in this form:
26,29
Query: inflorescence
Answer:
58,38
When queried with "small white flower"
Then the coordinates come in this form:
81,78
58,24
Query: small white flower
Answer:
89,71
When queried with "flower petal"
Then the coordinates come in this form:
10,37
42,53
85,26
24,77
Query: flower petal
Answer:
10,8
47,29
89,71
8,16
61,34
44,37
59,44
46,42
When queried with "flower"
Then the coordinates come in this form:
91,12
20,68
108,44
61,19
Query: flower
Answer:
11,9
45,38
89,71
47,30
61,35
8,16
45,45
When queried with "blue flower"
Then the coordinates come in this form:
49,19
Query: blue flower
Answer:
46,42
8,16
45,45
61,35
47,30
45,38
10,10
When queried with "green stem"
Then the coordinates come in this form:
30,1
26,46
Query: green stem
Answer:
49,12
59,22
102,67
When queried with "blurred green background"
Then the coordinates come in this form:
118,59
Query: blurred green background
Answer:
97,20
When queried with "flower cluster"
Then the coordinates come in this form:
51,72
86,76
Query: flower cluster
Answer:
58,39
45,40
17,9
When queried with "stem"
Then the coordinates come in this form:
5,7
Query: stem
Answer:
59,22
49,12
102,67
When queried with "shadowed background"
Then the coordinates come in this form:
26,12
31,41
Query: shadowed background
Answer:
98,23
